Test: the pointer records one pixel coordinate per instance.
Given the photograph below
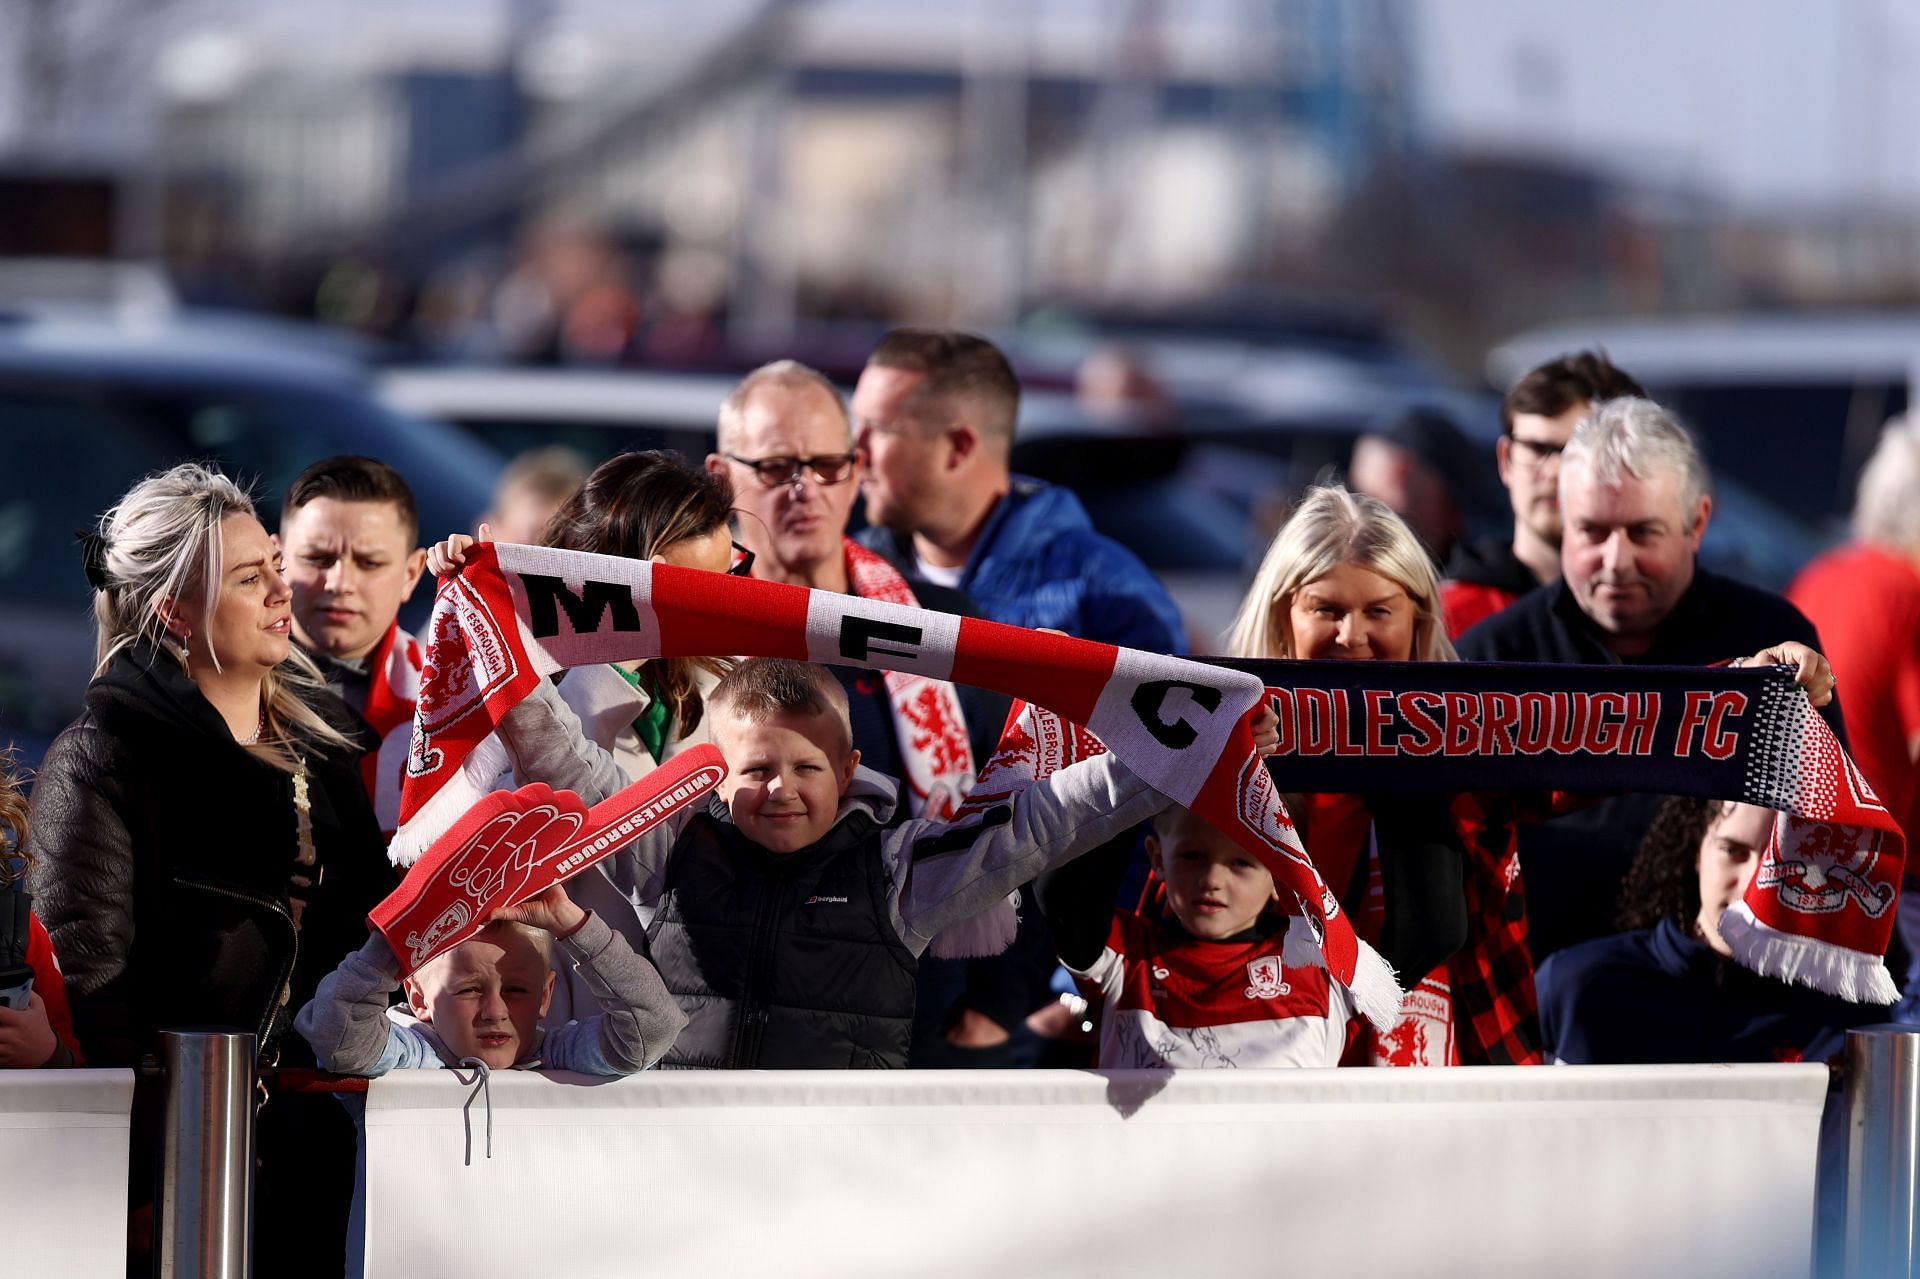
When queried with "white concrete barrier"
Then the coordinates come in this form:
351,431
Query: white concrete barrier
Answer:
1694,1170
63,1163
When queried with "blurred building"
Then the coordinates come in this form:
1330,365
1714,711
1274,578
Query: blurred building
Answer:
778,157
1472,165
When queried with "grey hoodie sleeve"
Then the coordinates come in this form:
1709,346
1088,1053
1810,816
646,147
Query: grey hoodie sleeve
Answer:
545,742
346,1020
638,1021
943,873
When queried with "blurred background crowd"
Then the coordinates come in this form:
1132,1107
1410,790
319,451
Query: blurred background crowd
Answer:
1221,240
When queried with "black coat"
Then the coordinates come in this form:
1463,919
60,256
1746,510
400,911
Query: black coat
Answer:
163,854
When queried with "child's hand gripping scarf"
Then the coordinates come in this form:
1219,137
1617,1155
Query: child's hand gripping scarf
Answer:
515,614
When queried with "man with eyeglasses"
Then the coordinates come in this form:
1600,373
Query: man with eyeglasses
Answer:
785,444
1539,414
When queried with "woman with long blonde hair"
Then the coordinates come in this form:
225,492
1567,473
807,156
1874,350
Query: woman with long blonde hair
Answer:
204,851
1346,579
1433,881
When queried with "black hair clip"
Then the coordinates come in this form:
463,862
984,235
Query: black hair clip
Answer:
93,558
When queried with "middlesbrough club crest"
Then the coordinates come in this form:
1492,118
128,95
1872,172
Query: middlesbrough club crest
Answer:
1266,979
1816,868
1261,809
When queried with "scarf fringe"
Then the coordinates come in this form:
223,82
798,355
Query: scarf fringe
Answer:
987,934
1806,961
1375,989
473,781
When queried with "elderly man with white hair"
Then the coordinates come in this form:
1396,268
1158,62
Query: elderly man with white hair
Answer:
1634,505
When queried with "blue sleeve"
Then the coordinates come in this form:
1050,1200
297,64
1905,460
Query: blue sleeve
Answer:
405,1050
576,1047
1125,604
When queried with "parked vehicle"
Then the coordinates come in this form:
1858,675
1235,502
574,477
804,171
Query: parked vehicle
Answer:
88,406
597,413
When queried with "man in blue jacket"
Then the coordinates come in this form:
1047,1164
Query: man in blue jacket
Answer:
933,417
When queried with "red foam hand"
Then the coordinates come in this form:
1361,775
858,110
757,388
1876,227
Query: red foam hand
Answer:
513,845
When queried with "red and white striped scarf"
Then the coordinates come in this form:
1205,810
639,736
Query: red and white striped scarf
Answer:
929,727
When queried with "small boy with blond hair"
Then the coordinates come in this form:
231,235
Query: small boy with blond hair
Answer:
483,1000
790,919
1222,978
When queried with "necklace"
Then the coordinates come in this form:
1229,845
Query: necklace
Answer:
253,738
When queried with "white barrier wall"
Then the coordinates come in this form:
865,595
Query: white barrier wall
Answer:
1600,1171
63,1161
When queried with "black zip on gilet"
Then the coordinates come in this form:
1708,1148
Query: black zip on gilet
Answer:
783,961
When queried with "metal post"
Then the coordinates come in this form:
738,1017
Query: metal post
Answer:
1883,1149
205,1224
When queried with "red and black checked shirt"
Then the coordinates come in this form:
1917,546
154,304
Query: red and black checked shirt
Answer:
1496,1015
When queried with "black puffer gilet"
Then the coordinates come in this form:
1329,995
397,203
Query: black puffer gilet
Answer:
783,960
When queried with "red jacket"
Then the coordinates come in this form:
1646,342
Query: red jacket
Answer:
1482,578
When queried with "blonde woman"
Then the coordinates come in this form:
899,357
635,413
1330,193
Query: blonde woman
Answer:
1346,579
203,849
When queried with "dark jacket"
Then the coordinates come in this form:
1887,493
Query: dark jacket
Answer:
1717,619
1040,562
1575,864
1662,996
164,853
794,947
